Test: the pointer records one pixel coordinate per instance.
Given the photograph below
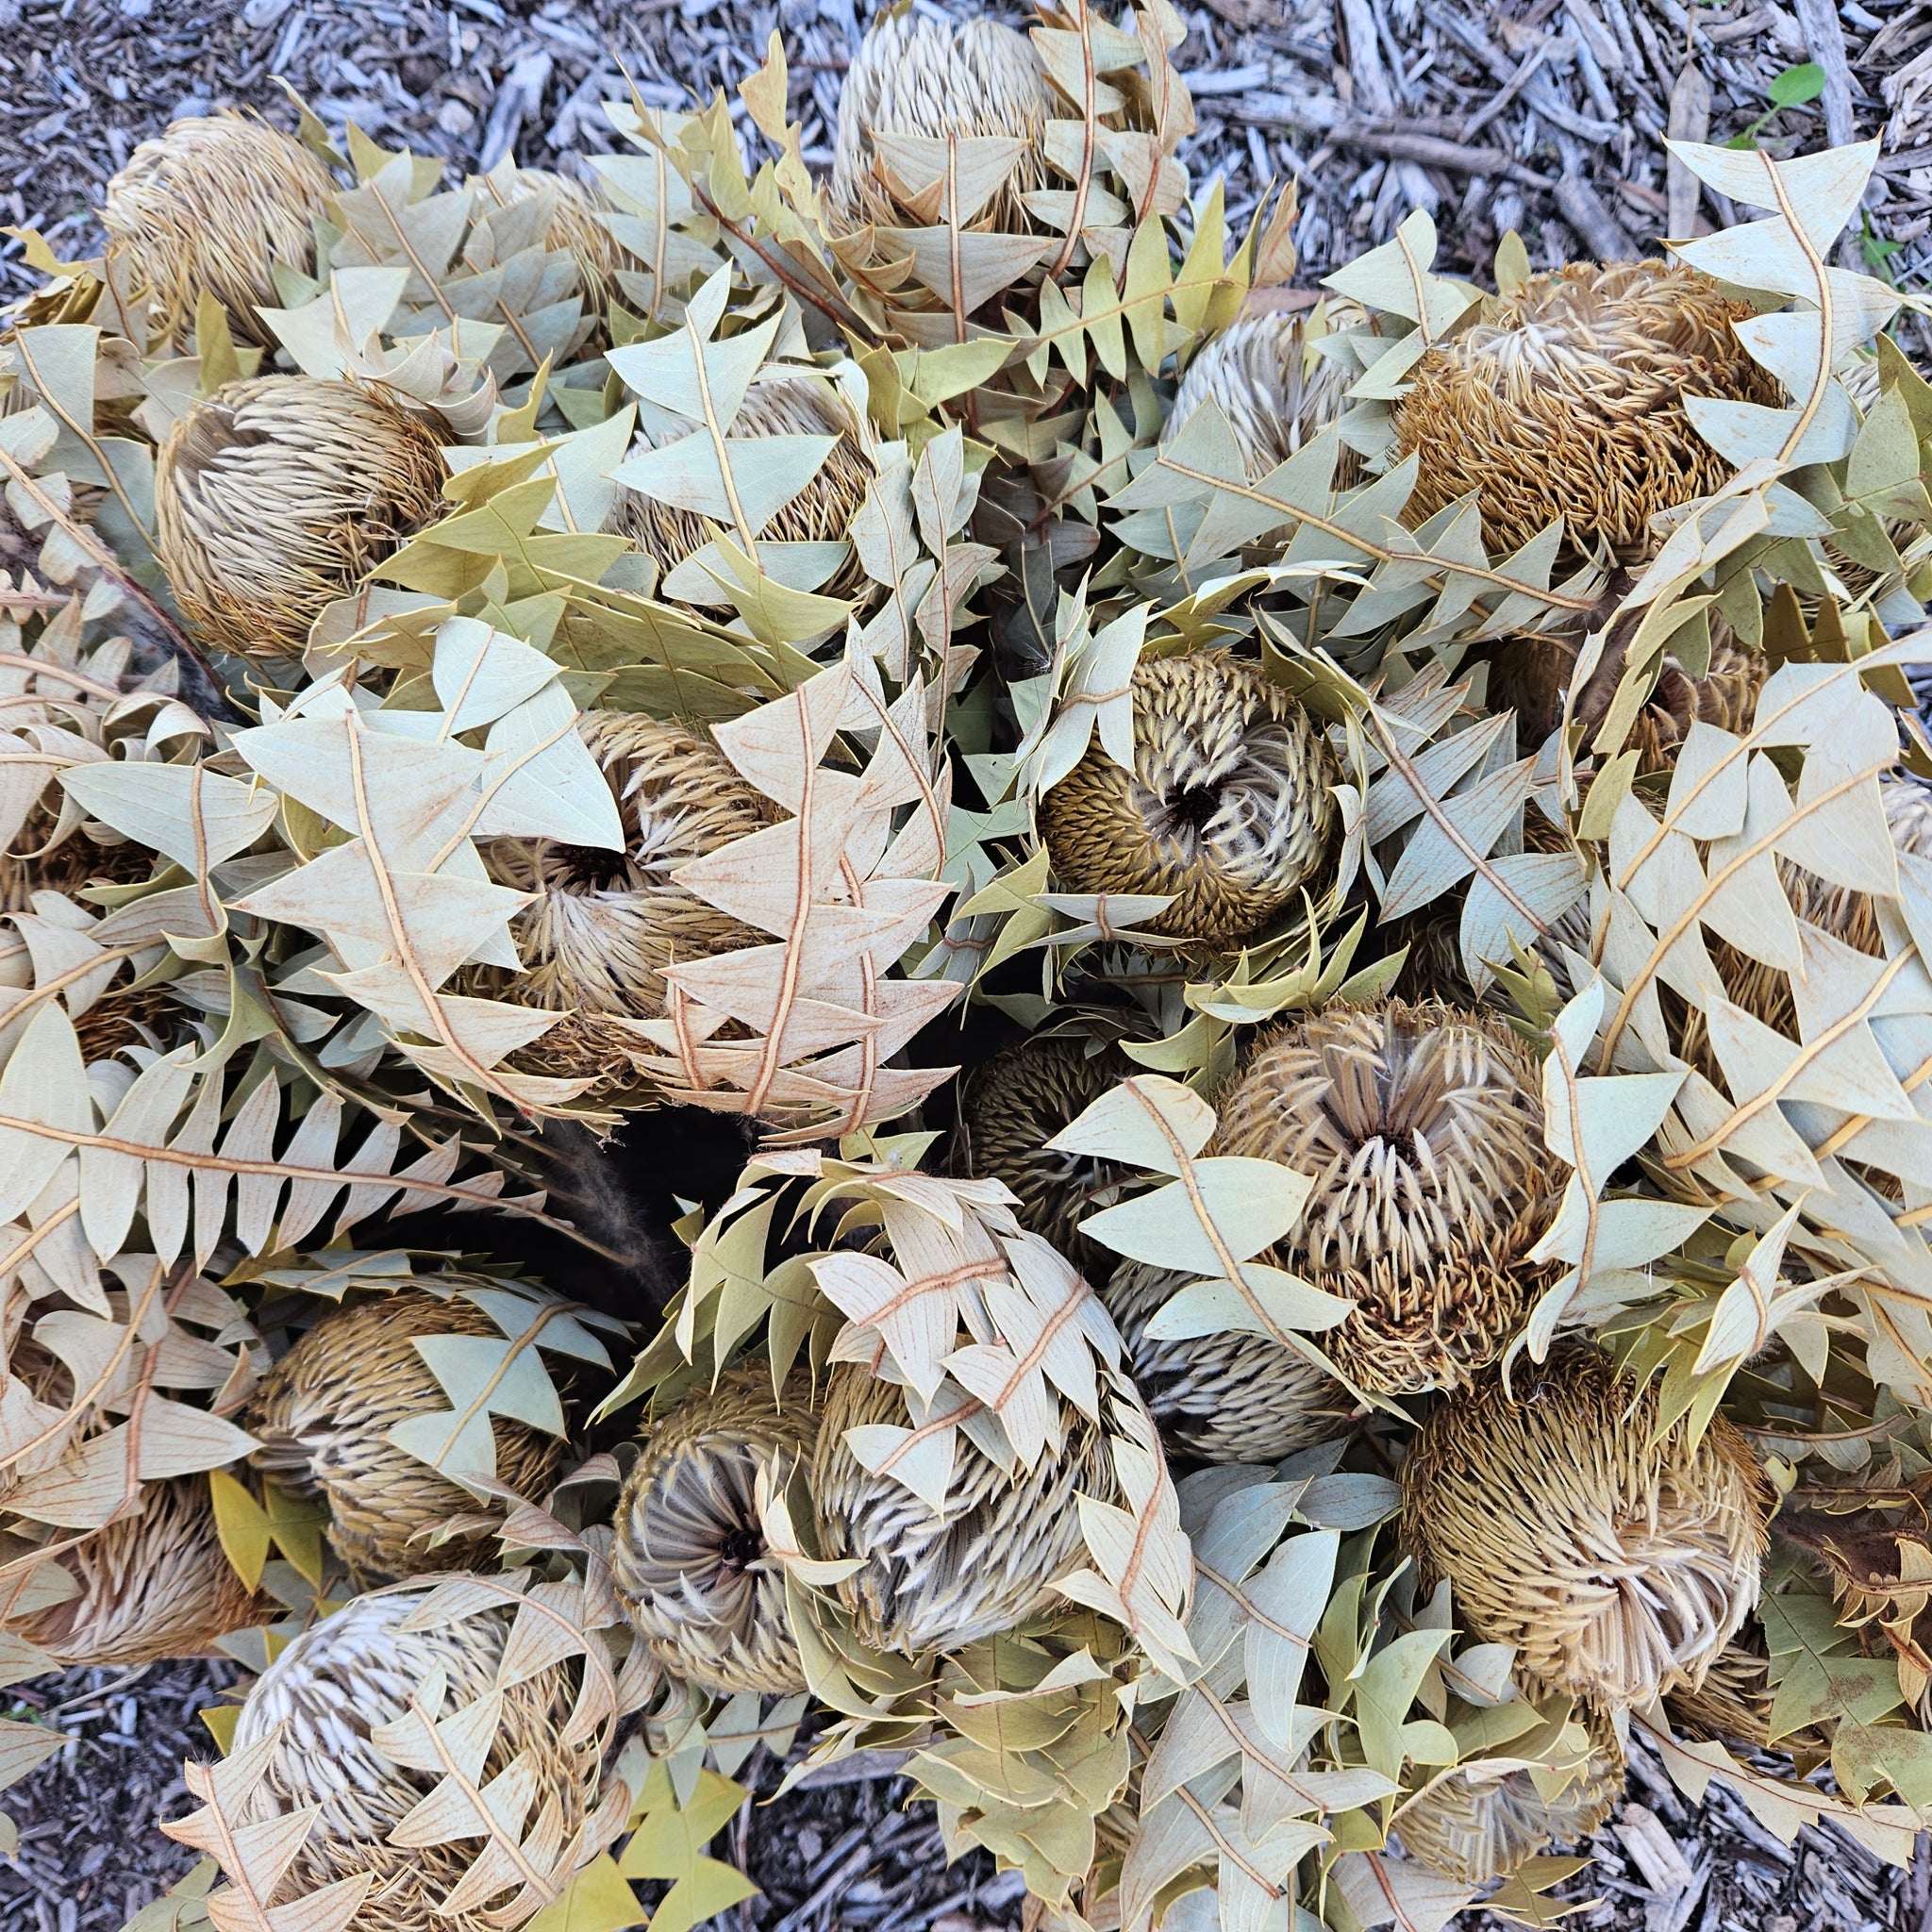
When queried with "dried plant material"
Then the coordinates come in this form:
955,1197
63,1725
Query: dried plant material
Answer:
1273,386
213,204
844,887
1422,1129
1532,675
602,926
821,514
1476,1827
276,495
1566,400
1735,1701
1619,1561
1225,1397
574,228
687,1555
441,1753
973,86
975,1561
1010,1108
352,1413
151,1584
1225,809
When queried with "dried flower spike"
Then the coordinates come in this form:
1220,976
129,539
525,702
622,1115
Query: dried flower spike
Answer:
150,1586
213,204
276,495
1276,391
336,1685
1227,1397
602,926
935,1581
1010,1108
822,512
1566,400
1619,1562
914,76
1423,1129
688,1557
1227,809
323,1412
1474,1829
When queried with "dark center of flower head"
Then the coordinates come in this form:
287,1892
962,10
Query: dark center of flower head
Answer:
586,869
1192,808
741,1546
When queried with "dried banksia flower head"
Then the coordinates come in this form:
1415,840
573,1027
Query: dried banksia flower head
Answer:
149,1586
1619,1561
822,512
1276,390
324,1414
1566,400
1530,675
1010,1108
575,229
1423,1129
339,1685
276,495
913,75
1227,1397
213,204
933,1580
602,926
1227,808
1473,1829
689,1557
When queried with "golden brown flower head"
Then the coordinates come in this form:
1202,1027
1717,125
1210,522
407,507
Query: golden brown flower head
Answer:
688,1557
602,926
1473,1829
1276,391
322,1416
1423,1129
1010,1108
822,512
149,1586
934,1582
1619,1565
575,229
914,76
1227,1397
213,204
1227,809
1566,400
275,496
336,1685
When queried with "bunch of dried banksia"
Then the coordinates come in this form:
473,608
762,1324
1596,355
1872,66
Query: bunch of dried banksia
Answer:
1320,1230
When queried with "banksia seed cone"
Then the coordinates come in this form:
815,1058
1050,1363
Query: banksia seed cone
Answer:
1423,1129
1530,675
1010,1108
156,1585
822,512
1473,1829
604,925
689,1556
275,496
921,76
1275,390
213,204
1227,809
322,1416
574,230
1566,401
359,1669
1619,1565
936,1582
1228,1397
